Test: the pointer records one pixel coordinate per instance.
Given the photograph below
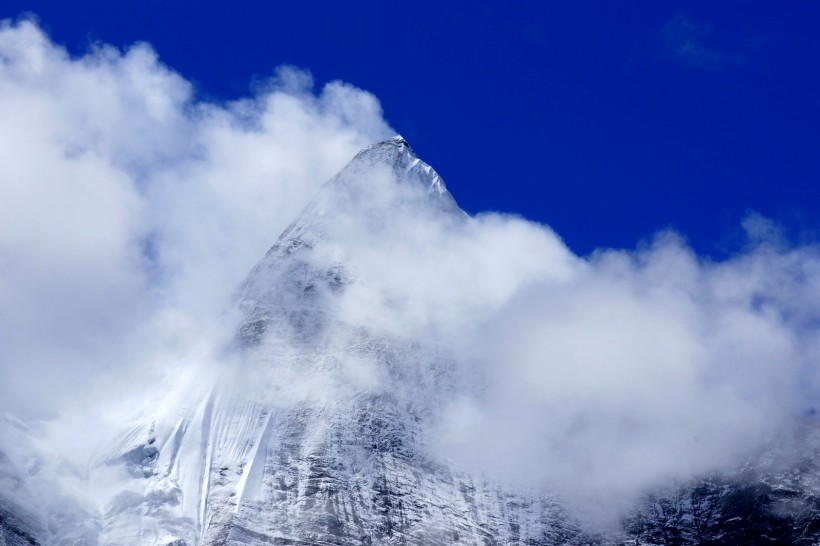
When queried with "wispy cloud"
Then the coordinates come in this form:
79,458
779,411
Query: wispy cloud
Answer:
692,43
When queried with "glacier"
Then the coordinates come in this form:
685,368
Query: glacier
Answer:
317,431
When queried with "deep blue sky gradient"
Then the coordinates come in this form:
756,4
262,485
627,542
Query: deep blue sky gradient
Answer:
606,120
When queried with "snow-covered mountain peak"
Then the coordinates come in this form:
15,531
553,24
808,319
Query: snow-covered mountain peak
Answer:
382,183
396,154
383,192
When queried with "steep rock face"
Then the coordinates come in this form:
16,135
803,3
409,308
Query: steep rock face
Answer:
773,498
18,525
38,500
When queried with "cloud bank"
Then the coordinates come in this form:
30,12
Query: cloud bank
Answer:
130,211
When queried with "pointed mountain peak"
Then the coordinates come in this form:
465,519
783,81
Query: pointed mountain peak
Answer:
355,192
397,154
389,150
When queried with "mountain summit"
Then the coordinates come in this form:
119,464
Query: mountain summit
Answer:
397,154
385,189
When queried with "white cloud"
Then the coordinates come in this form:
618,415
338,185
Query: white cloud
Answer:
687,41
124,199
640,368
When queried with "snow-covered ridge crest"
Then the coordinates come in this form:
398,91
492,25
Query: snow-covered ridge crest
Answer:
398,154
380,179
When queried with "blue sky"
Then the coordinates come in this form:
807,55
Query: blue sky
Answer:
607,121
